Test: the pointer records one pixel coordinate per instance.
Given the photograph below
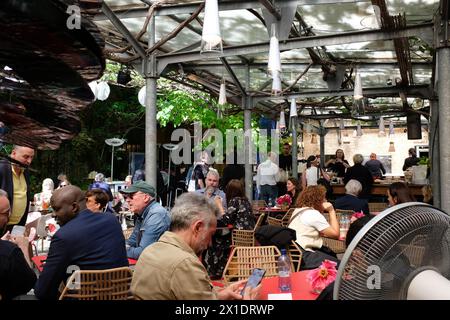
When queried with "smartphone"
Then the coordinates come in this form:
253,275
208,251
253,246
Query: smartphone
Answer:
255,279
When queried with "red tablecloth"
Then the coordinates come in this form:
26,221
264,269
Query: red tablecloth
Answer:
40,260
301,290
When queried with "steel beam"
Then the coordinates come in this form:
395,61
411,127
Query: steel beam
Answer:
233,76
419,91
187,8
123,30
420,30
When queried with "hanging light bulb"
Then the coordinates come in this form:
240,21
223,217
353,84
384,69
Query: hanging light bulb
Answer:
274,63
391,147
391,128
358,94
103,91
381,132
276,83
141,96
341,124
293,110
313,138
282,122
222,93
211,38
359,132
219,112
94,88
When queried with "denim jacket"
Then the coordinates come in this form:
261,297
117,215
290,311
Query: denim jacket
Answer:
149,226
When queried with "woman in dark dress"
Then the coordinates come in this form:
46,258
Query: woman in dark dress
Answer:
238,215
338,164
293,189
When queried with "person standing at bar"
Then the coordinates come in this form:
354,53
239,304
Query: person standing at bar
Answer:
15,180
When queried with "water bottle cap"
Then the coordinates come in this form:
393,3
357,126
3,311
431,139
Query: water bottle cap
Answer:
283,251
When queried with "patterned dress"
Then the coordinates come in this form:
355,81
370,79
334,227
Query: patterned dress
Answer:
239,214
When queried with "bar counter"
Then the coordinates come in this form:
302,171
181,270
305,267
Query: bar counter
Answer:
379,189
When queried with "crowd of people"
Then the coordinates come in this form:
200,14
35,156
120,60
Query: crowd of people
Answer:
179,251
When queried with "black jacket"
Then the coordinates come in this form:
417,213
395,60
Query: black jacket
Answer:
6,183
362,174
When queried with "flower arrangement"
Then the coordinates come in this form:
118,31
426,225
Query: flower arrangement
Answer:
356,216
321,277
284,201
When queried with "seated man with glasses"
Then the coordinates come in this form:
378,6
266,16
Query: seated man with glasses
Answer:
152,219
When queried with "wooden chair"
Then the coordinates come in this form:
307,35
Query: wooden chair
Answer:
127,233
243,260
284,221
245,238
377,206
338,246
110,284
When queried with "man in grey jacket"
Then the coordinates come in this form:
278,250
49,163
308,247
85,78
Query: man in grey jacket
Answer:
152,219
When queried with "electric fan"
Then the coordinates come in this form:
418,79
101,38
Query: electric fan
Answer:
402,253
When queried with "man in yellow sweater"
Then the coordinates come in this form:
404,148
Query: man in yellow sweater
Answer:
15,180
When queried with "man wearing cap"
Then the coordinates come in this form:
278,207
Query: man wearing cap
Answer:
152,219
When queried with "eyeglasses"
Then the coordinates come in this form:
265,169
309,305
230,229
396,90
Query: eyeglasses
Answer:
130,196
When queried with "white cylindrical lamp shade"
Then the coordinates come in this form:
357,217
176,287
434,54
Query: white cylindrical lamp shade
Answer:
276,83
293,110
103,91
211,37
358,94
222,94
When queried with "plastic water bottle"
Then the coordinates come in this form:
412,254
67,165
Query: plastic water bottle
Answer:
124,223
284,272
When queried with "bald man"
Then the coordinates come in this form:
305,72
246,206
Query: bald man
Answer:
85,241
15,180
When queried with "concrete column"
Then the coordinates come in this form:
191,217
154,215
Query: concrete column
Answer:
150,112
444,129
434,153
294,148
247,142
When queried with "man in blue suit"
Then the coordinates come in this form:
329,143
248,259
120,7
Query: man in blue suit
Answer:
85,240
351,201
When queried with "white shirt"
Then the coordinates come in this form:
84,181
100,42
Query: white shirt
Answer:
268,173
307,226
312,176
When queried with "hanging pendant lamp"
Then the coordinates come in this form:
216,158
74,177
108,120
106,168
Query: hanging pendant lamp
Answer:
391,128
357,93
222,93
282,121
103,91
211,37
381,132
276,83
359,131
293,110
274,63
391,147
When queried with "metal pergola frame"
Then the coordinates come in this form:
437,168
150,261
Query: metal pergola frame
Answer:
155,59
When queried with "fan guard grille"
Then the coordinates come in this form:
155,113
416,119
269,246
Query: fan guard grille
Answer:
398,241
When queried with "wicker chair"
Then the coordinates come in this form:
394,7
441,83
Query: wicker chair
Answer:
245,238
295,254
127,233
243,260
377,206
338,246
110,284
284,221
